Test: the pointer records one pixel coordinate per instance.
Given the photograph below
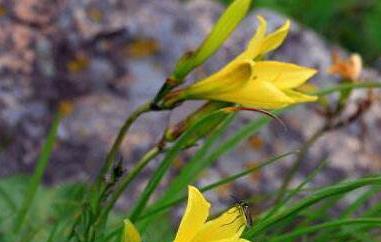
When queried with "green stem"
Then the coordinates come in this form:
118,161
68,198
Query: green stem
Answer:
298,162
151,154
346,86
99,187
119,139
164,90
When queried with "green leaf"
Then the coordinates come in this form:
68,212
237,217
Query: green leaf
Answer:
177,199
360,201
200,160
52,233
312,199
331,224
53,207
168,160
220,32
42,163
296,191
8,201
347,86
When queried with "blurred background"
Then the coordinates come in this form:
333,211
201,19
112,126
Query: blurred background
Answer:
105,57
353,24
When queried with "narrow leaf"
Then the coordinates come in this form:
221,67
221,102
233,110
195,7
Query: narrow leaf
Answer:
220,32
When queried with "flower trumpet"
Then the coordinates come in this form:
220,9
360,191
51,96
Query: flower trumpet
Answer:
251,83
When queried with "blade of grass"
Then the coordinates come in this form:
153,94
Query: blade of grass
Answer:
374,211
183,179
114,233
297,164
322,212
242,134
42,163
352,208
360,201
318,196
347,86
52,233
363,236
331,224
155,210
296,191
299,188
167,161
7,200
199,162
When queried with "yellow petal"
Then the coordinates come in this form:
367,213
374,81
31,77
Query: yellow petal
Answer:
275,39
195,216
282,75
261,44
230,77
299,97
130,233
256,94
254,46
229,225
232,240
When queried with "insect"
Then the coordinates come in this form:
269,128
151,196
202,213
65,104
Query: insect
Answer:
244,210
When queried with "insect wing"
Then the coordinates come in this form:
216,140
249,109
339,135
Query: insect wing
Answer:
246,212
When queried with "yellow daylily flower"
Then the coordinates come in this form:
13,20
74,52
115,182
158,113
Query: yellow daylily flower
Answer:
250,83
195,227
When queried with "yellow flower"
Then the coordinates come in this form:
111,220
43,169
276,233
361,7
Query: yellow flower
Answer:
250,83
194,226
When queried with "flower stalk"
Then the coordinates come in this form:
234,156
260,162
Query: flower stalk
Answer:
119,139
125,181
